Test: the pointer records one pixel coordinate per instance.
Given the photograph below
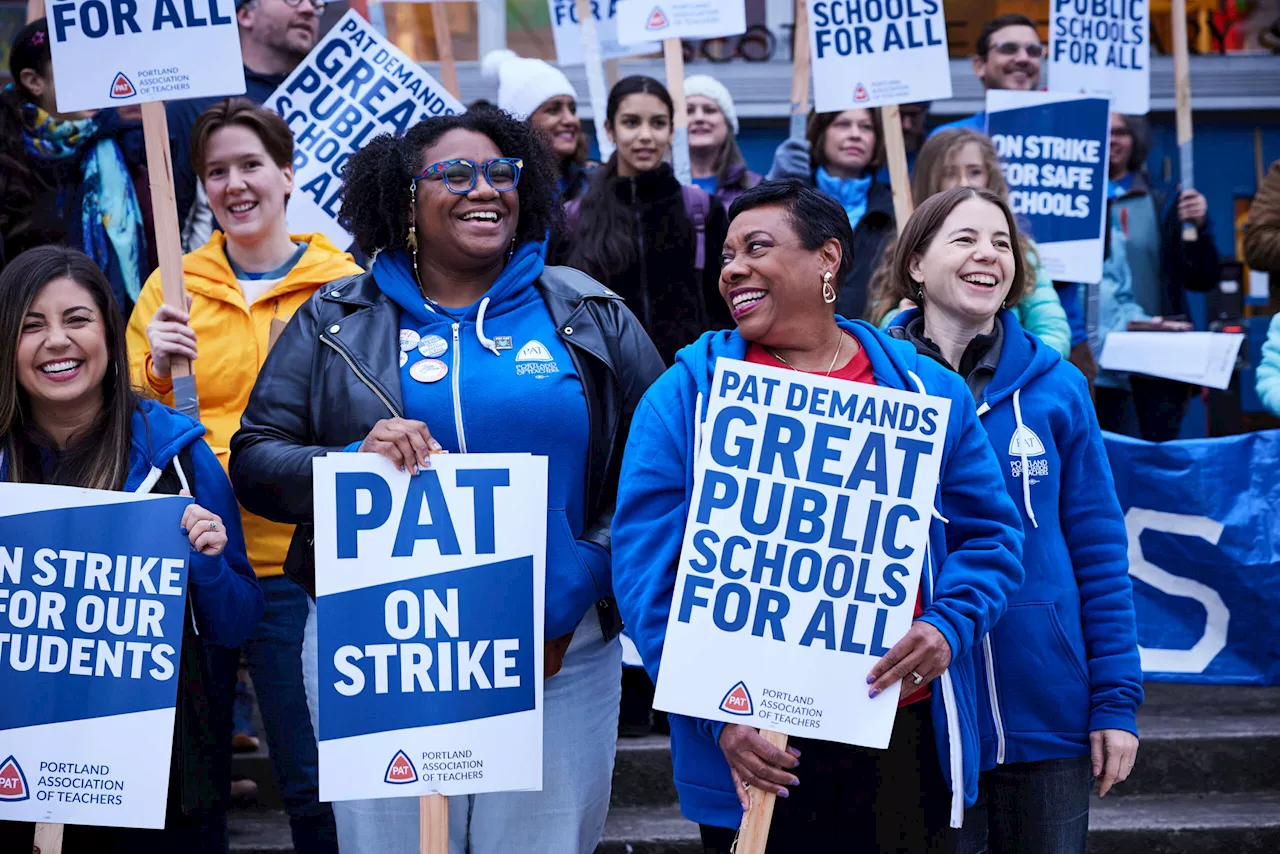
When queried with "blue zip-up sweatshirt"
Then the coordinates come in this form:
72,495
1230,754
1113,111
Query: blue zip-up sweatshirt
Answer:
514,392
224,591
975,558
1063,661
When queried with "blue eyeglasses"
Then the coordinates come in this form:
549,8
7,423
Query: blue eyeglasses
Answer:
459,176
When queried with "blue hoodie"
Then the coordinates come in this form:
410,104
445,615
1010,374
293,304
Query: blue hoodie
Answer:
517,392
225,596
975,558
1063,661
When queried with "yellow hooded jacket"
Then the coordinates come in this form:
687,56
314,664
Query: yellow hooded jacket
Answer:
232,338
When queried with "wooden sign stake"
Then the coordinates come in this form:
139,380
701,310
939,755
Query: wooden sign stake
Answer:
1182,104
753,835
595,68
155,132
895,150
433,823
35,10
48,839
673,53
444,49
800,72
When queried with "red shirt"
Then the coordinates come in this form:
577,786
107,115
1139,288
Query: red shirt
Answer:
859,371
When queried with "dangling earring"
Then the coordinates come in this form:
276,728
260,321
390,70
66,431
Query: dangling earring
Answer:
512,249
412,242
828,291
919,294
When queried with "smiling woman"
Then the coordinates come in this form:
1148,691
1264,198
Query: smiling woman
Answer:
461,339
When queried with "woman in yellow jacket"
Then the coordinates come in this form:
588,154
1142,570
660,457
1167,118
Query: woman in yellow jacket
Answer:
243,286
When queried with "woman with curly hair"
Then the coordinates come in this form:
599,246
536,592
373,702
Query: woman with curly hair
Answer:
421,355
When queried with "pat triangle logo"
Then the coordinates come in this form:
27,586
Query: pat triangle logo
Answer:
657,19
401,770
860,93
121,87
1025,443
534,351
737,701
13,783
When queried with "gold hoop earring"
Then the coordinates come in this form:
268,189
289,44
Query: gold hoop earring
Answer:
828,291
412,242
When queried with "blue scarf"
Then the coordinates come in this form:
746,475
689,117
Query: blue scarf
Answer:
393,273
851,193
110,218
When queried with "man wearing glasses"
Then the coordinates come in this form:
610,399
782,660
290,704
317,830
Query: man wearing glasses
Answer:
1008,56
275,36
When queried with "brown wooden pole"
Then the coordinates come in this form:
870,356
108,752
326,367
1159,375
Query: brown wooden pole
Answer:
1182,106
895,150
800,71
444,49
673,54
35,10
753,835
433,822
48,839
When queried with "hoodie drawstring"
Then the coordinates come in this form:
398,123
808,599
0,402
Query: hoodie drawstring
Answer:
149,481
937,514
485,342
1022,455
144,488
697,428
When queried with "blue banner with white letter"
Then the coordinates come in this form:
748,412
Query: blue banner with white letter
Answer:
1204,554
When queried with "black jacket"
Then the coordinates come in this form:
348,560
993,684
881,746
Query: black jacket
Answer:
662,287
335,372
873,232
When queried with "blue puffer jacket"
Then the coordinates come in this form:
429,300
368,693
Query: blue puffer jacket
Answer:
975,558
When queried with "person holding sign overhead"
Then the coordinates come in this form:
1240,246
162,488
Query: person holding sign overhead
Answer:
1060,675
539,93
717,163
840,155
461,339
640,232
244,285
961,157
787,255
69,416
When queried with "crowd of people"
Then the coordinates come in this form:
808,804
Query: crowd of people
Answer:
1019,679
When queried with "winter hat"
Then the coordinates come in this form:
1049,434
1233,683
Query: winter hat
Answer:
524,84
709,87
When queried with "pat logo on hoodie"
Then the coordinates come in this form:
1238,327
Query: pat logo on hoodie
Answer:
1026,443
534,358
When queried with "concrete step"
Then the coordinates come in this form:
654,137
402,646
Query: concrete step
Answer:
1242,823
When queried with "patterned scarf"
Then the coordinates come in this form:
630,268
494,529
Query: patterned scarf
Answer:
110,218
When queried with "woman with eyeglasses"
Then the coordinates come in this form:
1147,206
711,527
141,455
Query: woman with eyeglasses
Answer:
461,339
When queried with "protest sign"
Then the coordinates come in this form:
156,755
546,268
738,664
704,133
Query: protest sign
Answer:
1053,150
429,591
119,53
644,20
1102,47
92,604
352,87
568,34
869,53
802,553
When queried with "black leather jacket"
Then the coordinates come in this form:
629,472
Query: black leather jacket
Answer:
335,372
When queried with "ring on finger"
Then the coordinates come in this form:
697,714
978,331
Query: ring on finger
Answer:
746,784
213,526
916,678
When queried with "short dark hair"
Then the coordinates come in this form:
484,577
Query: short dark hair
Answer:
377,178
1013,19
815,217
241,112
816,131
923,227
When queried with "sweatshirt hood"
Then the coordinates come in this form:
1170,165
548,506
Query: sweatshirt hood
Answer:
208,272
159,435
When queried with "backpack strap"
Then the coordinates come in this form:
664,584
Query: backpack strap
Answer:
697,204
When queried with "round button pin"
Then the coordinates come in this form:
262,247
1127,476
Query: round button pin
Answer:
408,340
432,346
428,370
404,357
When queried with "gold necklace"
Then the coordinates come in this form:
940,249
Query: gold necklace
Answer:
830,368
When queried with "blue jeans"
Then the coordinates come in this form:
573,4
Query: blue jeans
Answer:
274,655
1030,808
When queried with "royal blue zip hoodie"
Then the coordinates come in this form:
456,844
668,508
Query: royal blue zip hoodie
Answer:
224,592
514,392
1063,660
975,558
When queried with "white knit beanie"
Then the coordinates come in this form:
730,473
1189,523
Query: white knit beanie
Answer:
709,87
524,84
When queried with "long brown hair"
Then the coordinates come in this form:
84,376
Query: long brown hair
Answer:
816,133
920,231
98,458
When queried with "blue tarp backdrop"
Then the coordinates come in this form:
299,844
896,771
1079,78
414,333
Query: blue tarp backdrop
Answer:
1203,517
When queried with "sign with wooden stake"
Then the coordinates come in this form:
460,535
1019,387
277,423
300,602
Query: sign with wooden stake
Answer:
1182,105
596,89
895,151
673,53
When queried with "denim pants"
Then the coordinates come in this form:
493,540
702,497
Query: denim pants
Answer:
1030,808
580,734
274,656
